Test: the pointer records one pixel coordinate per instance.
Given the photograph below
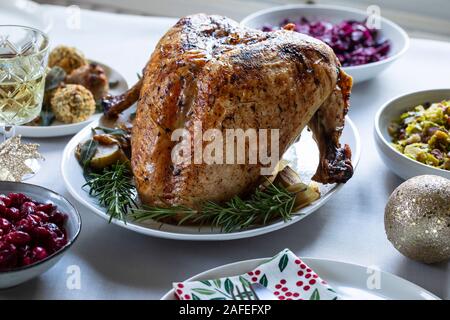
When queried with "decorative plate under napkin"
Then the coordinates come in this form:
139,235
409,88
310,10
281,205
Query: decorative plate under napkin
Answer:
286,275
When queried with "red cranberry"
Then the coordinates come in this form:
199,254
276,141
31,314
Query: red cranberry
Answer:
27,261
47,208
54,229
12,214
8,255
43,235
18,238
29,231
58,218
5,225
25,257
59,243
24,225
17,199
6,201
39,253
27,208
41,214
3,209
35,220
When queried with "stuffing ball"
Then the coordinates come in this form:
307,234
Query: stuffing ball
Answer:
72,103
67,58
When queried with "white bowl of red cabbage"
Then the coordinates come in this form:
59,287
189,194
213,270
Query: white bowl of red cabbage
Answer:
363,48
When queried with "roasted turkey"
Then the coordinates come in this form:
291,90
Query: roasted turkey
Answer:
213,70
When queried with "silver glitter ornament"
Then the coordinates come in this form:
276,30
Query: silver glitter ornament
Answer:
13,157
417,218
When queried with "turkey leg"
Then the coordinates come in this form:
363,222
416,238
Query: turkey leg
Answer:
114,105
326,125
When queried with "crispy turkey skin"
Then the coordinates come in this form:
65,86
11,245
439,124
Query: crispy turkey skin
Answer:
213,70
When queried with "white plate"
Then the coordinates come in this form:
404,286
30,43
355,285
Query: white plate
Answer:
25,13
400,164
303,156
389,30
349,280
58,129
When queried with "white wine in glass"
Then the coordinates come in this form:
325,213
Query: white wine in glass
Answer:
23,67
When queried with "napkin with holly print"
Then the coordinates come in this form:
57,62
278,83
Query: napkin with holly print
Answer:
285,275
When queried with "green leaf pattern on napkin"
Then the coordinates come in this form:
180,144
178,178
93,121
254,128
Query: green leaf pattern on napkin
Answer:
287,276
283,262
315,295
263,281
229,286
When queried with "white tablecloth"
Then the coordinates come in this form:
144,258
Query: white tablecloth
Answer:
119,264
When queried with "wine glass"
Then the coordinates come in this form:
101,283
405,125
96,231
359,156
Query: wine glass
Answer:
23,67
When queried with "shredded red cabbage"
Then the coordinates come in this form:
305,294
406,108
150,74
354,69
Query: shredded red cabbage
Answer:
352,41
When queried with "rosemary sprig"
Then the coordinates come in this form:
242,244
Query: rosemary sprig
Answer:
114,190
237,214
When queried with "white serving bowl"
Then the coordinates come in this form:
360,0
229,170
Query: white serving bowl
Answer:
73,226
398,38
400,164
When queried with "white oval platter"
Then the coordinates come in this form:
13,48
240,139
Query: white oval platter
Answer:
303,157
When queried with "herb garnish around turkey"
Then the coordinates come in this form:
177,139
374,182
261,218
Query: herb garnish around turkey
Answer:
113,187
262,207
114,190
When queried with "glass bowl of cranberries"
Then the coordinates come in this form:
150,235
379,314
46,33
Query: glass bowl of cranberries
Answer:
37,226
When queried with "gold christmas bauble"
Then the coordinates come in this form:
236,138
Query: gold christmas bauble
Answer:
417,218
